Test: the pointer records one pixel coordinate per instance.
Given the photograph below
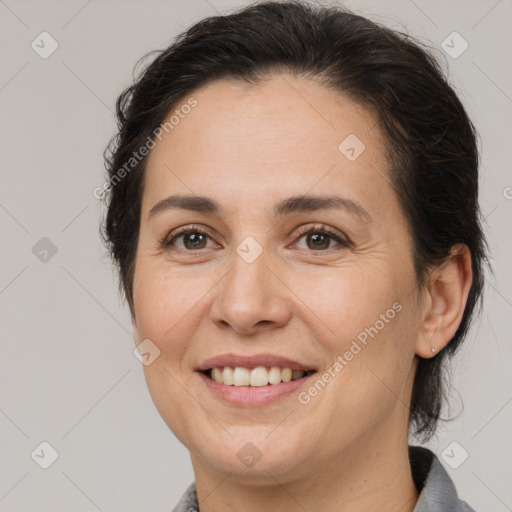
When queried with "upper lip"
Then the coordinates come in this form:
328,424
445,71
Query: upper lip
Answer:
253,361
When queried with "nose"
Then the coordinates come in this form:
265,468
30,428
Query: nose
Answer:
251,298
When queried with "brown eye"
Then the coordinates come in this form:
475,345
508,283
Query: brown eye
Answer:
319,238
187,240
317,241
194,240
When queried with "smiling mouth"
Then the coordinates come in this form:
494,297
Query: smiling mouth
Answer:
254,377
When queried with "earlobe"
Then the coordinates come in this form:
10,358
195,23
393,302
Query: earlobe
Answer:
446,293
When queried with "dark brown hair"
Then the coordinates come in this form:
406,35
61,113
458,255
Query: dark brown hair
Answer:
431,141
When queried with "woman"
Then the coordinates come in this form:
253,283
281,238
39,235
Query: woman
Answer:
293,208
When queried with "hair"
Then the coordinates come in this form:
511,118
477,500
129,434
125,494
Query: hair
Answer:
431,142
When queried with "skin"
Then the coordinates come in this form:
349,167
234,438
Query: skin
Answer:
248,148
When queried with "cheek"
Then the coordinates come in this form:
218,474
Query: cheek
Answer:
168,305
366,317
370,366
347,299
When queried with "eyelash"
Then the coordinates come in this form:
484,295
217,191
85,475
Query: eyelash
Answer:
168,240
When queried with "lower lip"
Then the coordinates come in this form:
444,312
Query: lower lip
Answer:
250,396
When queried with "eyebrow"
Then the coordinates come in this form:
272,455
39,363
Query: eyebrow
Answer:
295,204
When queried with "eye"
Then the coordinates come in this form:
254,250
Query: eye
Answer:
192,239
319,237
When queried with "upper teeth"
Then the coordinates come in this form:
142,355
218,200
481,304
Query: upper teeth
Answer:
260,376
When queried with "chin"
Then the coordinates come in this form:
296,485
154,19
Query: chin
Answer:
255,455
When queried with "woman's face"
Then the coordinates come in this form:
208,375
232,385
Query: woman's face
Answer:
256,283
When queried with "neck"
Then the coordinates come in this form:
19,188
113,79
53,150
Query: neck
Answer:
377,477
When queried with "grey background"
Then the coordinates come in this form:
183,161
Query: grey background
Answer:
68,375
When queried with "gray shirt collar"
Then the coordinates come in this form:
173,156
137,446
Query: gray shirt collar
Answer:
435,487
436,490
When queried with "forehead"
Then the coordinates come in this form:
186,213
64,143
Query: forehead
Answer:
279,109
283,133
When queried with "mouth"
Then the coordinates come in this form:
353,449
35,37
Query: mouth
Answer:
260,376
253,380
253,387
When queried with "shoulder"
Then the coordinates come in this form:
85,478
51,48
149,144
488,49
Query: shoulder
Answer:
188,502
436,489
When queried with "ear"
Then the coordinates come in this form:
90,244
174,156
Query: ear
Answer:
445,298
